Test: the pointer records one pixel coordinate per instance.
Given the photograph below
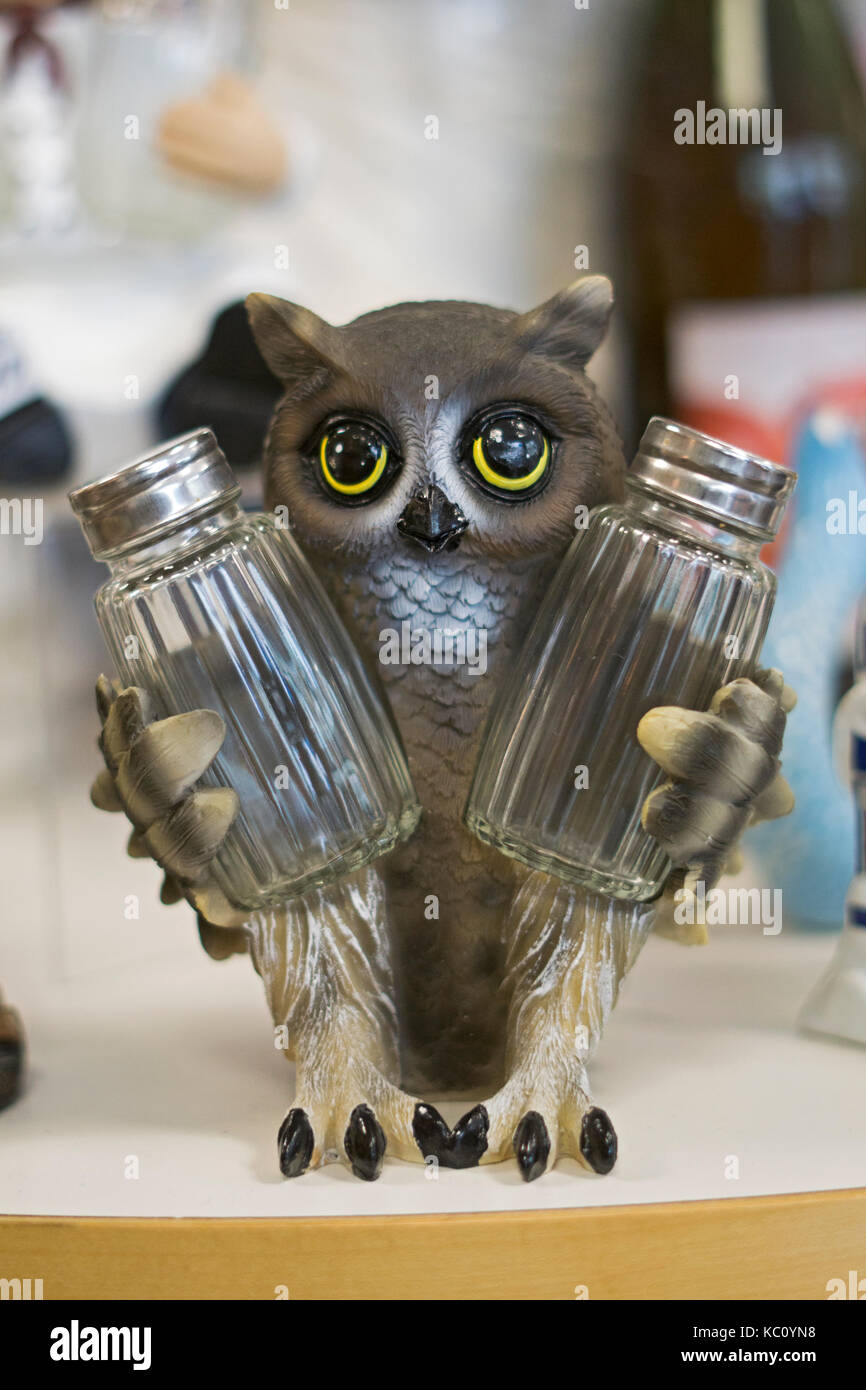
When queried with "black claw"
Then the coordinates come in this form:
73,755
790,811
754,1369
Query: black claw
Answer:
531,1146
469,1138
598,1140
365,1143
460,1147
430,1131
295,1143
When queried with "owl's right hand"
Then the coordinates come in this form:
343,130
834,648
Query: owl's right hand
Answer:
151,767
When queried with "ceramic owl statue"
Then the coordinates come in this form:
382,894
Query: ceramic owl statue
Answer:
431,459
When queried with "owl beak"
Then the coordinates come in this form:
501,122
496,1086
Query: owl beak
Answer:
432,520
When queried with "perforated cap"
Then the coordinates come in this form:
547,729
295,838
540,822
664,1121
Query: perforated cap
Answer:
183,478
681,466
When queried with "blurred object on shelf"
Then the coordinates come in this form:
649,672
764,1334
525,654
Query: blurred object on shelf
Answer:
27,37
228,388
37,186
837,1005
149,63
35,446
854,14
747,190
768,223
12,1053
225,136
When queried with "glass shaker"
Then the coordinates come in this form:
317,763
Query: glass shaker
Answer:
660,601
209,607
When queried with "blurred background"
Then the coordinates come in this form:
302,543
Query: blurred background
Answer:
161,158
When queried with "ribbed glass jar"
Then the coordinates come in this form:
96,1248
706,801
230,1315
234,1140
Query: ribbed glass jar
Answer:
660,601
220,610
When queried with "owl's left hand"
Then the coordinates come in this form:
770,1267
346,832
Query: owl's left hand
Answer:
723,769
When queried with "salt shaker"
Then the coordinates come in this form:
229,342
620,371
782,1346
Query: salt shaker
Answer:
209,607
661,600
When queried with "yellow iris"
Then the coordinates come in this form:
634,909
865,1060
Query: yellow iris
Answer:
499,479
352,488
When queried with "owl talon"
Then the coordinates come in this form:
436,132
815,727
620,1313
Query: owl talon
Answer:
460,1147
598,1141
431,1133
469,1138
531,1146
365,1144
544,1112
295,1142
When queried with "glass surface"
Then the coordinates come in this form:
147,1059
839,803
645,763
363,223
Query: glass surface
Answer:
228,615
649,607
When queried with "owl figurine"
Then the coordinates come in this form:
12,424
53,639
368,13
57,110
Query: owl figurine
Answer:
430,458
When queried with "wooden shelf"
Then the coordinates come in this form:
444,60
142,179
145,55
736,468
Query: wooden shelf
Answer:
784,1247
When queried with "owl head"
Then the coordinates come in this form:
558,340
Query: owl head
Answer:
439,426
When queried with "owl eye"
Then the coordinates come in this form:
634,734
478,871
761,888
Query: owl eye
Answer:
354,460
510,453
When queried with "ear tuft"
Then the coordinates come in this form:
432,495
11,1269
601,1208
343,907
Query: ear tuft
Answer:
295,343
569,327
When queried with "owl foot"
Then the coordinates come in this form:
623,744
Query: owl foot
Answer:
545,1110
151,770
355,1114
723,772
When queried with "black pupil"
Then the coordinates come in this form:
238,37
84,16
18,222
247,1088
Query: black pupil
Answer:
352,452
513,445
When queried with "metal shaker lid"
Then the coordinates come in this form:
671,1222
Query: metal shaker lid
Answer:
683,467
183,478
